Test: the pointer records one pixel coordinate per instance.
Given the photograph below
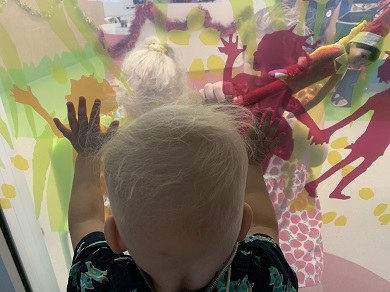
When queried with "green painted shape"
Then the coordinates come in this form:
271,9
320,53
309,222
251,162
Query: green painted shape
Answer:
160,22
50,93
302,16
76,15
5,133
40,165
361,85
321,7
5,80
60,26
30,118
65,60
246,25
55,213
66,248
2,164
270,3
278,19
6,85
10,58
58,196
13,111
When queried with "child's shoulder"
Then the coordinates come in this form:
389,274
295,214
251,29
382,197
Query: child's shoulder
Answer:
97,267
260,263
260,244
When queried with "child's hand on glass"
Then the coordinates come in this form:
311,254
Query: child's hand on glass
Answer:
218,92
263,137
86,136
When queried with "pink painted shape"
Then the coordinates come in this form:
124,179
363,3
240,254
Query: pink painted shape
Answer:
275,51
280,49
376,136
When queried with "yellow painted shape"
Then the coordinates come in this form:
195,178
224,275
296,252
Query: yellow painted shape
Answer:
215,64
328,217
19,162
195,19
5,203
179,37
58,73
302,202
366,193
334,157
340,143
380,209
196,70
384,219
8,191
347,169
340,221
210,37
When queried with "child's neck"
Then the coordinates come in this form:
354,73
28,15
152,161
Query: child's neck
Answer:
171,282
205,279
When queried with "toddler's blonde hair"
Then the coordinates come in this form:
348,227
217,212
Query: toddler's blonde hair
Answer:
184,162
155,77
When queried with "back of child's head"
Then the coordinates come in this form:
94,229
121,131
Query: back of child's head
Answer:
181,168
154,76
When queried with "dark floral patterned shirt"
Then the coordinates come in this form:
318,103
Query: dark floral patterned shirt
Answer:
258,265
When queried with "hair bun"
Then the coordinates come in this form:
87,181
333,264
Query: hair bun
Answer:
158,48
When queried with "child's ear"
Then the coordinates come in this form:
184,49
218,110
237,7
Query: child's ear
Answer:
247,218
113,237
